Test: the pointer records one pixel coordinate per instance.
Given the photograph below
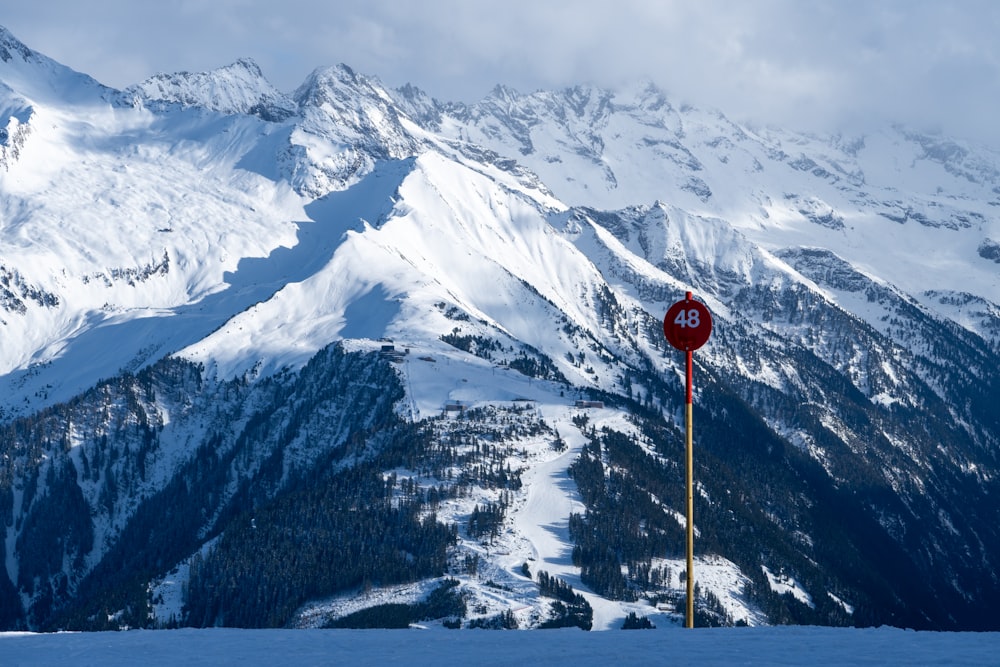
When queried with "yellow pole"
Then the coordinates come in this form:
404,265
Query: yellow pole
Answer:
689,618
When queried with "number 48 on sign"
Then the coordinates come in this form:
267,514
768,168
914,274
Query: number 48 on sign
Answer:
688,318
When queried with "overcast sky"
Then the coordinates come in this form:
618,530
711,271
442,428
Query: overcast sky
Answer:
809,64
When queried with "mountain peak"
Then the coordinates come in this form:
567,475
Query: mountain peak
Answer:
240,87
11,47
503,93
39,78
338,85
248,64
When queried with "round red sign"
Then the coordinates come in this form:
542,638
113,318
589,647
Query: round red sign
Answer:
687,325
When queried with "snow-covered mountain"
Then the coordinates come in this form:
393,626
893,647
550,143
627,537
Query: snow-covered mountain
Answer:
224,307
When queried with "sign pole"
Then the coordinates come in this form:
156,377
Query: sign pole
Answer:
687,326
689,617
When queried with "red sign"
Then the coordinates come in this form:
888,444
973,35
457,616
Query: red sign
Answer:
688,324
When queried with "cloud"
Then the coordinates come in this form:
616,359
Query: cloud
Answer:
808,64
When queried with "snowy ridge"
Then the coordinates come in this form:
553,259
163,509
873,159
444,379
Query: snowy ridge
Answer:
43,80
851,194
239,88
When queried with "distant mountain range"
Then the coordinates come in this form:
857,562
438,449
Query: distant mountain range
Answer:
352,356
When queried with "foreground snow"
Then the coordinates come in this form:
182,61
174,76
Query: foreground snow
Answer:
744,646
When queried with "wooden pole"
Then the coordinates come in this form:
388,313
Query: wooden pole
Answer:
689,618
